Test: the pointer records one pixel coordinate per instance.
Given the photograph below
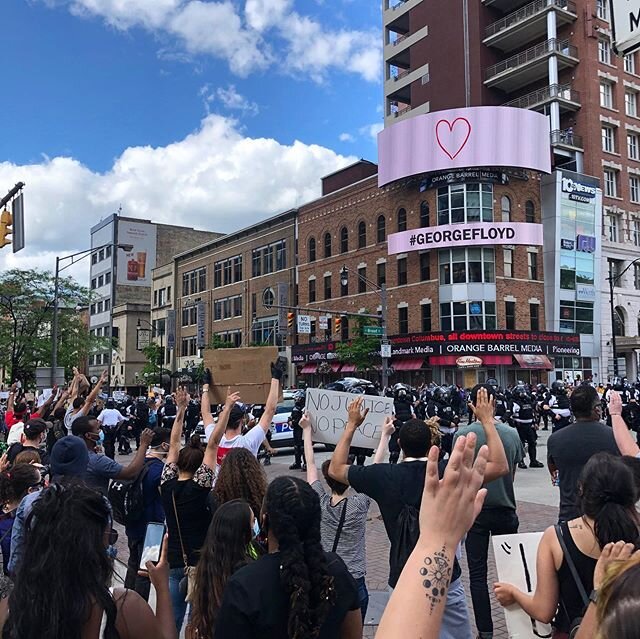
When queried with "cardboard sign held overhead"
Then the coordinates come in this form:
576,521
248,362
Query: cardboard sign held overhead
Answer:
328,415
245,370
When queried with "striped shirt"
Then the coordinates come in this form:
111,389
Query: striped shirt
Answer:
351,545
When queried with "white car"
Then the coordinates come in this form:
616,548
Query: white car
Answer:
281,432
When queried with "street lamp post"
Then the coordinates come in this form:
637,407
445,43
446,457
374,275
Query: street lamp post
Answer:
74,257
382,291
613,279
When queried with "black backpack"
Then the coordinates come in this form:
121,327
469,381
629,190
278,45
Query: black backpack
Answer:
407,533
127,498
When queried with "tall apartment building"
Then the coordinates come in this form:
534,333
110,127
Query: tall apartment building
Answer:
554,57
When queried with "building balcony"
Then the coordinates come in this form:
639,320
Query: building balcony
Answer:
530,66
528,23
568,99
567,140
398,49
396,14
502,5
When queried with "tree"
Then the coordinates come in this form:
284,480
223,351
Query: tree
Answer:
153,366
26,314
360,351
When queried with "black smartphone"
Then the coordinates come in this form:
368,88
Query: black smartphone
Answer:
152,546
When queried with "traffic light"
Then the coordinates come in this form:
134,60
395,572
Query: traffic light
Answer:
337,325
291,318
6,220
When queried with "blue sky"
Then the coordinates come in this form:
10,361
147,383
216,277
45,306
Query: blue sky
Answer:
173,105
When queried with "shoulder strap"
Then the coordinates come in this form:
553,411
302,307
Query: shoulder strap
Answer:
572,566
175,510
343,515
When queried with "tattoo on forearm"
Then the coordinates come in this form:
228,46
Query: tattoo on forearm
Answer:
437,575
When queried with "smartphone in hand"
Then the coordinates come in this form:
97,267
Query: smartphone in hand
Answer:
152,544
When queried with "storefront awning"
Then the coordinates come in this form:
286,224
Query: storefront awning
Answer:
443,360
308,369
335,368
496,360
487,360
407,364
538,362
349,368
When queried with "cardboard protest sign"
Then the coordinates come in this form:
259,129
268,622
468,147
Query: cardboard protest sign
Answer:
516,564
246,370
328,414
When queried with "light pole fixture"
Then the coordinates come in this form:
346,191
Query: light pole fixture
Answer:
74,257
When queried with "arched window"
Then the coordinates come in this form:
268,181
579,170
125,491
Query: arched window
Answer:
312,249
327,244
618,318
505,206
402,220
424,214
362,234
529,212
344,240
381,233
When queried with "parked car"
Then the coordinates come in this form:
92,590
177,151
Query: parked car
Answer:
281,432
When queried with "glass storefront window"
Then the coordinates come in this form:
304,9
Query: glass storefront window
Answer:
568,270
576,317
585,268
459,203
462,316
462,266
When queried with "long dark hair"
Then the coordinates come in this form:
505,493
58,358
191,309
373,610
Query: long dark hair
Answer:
225,550
241,477
293,516
64,540
15,483
607,493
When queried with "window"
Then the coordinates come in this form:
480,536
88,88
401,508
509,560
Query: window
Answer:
613,222
327,287
311,249
631,103
505,208
382,273
462,266
265,331
107,304
190,317
634,188
101,255
508,262
227,271
532,265
227,307
312,290
94,258
576,317
636,277
615,270
231,337
604,51
630,63
529,212
194,281
344,240
217,274
362,235
425,267
461,203
94,283
271,258
188,347
402,271
107,252
632,146
510,315
608,139
635,231
606,94
426,318
602,9
362,284
534,316
381,229
402,220
403,320
100,281
327,244
462,316
424,214
610,183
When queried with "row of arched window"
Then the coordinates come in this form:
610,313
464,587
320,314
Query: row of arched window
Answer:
380,231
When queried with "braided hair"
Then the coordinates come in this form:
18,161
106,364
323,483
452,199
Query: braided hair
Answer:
293,513
64,537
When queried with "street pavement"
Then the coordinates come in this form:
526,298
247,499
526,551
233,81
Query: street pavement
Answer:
537,509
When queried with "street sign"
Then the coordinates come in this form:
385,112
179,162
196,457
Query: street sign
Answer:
304,324
143,338
385,351
625,19
375,331
323,322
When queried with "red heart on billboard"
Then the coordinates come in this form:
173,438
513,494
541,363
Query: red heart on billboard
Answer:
453,136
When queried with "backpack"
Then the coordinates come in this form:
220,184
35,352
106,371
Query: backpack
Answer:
127,498
407,533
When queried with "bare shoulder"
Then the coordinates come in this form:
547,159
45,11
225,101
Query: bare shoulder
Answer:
135,617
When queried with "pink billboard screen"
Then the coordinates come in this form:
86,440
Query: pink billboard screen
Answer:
460,138
477,233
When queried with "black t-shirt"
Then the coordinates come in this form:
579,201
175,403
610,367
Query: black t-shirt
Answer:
569,449
392,486
255,605
17,448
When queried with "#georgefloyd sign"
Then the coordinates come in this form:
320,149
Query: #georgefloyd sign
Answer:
453,235
328,415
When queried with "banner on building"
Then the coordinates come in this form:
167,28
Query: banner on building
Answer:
283,302
201,336
135,266
171,329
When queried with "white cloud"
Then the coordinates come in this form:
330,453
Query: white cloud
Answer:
372,130
346,137
124,14
231,99
214,179
262,14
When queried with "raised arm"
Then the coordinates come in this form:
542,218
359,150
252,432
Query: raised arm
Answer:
64,396
12,398
339,467
175,442
205,403
211,452
624,439
277,373
383,447
93,394
43,411
131,471
309,457
484,410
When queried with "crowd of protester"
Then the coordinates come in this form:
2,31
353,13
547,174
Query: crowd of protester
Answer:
245,557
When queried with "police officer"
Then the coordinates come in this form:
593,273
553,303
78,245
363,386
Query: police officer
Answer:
559,406
440,407
298,442
524,421
402,405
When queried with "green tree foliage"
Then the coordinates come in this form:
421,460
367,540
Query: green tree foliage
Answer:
26,314
360,351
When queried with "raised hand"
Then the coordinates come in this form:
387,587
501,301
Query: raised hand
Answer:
355,412
232,398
